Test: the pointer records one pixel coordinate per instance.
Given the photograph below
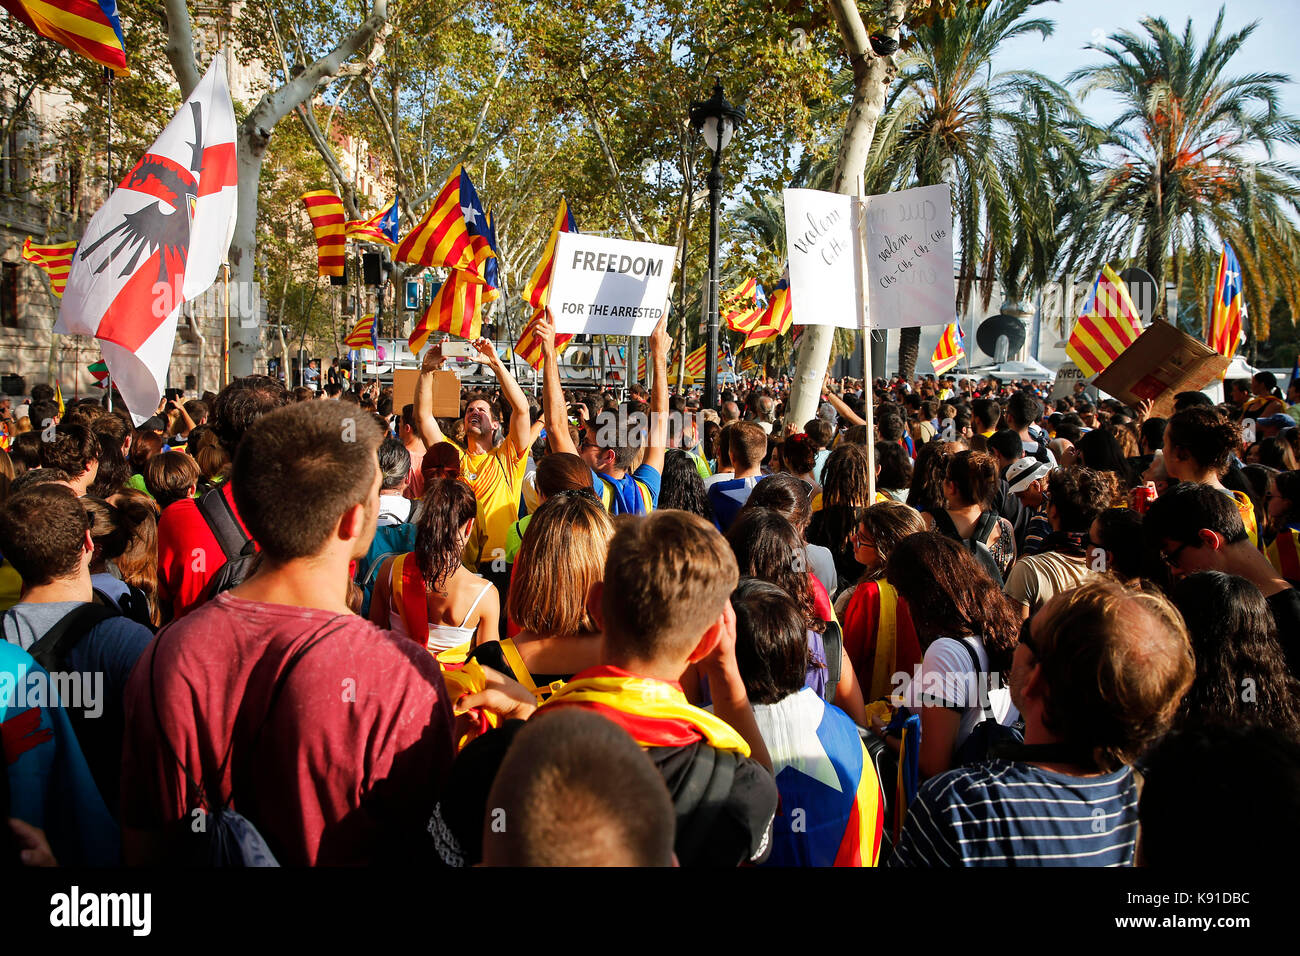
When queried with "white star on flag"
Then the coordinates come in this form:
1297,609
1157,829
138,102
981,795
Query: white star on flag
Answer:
470,214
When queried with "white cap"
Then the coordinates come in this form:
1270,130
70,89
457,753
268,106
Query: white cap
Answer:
1023,472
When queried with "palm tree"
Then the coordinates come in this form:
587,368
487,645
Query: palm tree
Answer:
1003,141
1178,170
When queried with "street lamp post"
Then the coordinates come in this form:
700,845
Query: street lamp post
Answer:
716,119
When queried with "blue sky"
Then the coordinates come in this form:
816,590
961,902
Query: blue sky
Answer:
1270,49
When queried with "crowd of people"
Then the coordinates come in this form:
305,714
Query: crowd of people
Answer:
617,627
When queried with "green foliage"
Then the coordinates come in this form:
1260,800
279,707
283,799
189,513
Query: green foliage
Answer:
1178,170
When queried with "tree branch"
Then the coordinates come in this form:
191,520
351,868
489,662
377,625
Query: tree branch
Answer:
277,104
180,46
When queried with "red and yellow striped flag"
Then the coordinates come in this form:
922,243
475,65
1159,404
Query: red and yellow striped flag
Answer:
537,290
744,306
379,228
537,293
330,225
696,361
54,261
776,318
453,233
529,346
1284,554
1226,308
457,308
361,336
949,351
1108,326
89,27
747,364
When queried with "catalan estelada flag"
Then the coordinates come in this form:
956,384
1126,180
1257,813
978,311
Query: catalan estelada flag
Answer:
776,318
89,27
362,335
457,308
1109,324
454,233
381,227
743,306
99,370
1284,554
328,222
537,292
1226,306
54,261
529,346
950,350
830,812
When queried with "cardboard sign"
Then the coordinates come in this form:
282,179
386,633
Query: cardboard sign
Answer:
1162,362
446,391
909,273
611,286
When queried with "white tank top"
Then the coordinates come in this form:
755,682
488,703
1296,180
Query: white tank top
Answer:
442,637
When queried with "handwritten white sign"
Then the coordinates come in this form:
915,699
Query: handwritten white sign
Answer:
909,270
610,286
909,257
822,244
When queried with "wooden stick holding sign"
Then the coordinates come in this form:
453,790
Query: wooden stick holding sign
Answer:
864,324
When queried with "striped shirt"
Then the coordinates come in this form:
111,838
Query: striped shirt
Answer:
1005,813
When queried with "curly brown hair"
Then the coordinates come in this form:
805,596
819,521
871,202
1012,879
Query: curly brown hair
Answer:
950,595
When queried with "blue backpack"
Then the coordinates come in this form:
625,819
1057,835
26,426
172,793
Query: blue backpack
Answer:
390,540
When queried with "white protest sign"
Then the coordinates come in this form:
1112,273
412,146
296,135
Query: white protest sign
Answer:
610,286
822,244
909,257
908,236
1066,377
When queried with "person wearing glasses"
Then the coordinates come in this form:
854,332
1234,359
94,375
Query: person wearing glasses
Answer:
1198,528
1068,796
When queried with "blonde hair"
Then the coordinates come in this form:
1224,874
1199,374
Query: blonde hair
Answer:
562,556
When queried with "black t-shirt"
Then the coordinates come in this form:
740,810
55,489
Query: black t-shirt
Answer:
1285,606
740,830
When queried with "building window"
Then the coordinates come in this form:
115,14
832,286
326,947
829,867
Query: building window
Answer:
9,295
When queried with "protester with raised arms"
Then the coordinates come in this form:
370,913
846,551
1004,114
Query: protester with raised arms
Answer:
610,447
494,470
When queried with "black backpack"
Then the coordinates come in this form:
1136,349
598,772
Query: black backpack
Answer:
989,738
978,542
239,549
833,642
221,836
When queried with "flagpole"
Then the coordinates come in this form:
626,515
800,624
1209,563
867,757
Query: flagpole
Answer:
864,322
225,333
108,79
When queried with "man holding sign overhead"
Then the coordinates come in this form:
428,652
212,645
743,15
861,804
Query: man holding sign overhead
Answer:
610,445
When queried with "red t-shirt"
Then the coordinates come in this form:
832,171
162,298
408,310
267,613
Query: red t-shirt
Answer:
349,760
188,553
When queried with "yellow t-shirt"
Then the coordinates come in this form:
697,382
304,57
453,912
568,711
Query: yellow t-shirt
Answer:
497,478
